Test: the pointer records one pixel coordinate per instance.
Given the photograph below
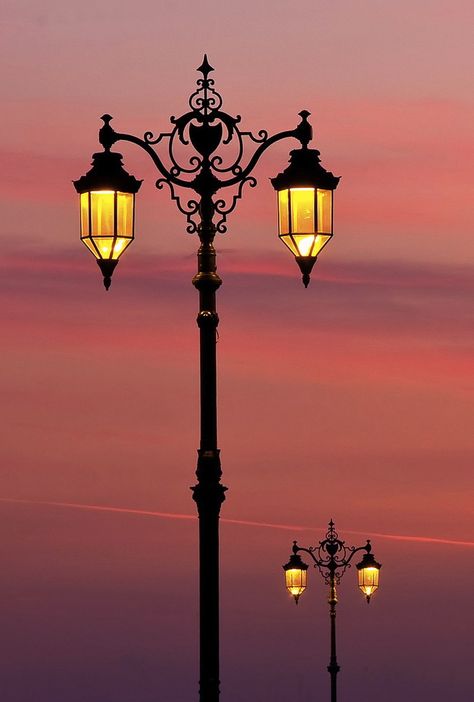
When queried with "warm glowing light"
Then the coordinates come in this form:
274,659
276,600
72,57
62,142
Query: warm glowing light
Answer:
324,209
305,223
283,212
368,575
296,573
369,580
107,222
305,211
302,210
305,192
296,580
305,245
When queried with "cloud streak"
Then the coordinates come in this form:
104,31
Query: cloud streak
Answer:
238,522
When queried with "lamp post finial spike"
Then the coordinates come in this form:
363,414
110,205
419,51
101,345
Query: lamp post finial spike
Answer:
205,68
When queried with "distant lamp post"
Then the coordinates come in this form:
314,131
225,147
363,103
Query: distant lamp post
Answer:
331,558
193,162
305,194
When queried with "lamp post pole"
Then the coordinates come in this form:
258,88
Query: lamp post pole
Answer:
209,492
333,667
332,557
107,195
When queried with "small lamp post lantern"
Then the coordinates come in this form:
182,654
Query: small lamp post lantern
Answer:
107,202
296,576
332,558
369,571
305,195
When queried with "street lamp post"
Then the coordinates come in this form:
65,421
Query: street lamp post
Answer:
107,198
332,557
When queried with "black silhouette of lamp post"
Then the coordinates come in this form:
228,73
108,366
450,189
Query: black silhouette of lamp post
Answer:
332,557
107,205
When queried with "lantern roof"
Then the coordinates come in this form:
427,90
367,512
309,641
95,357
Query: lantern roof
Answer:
107,173
296,563
305,170
368,561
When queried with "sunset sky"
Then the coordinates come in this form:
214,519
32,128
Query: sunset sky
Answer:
352,399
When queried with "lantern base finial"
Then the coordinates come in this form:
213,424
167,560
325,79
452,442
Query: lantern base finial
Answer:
107,266
305,264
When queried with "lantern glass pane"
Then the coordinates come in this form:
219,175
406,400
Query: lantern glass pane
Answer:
283,217
107,247
368,580
324,198
288,240
105,244
320,242
103,213
121,244
304,244
85,214
88,242
125,214
296,579
302,210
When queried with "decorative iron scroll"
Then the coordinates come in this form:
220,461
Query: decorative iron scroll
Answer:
190,160
332,557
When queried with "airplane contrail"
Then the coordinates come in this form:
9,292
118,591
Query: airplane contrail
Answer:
239,522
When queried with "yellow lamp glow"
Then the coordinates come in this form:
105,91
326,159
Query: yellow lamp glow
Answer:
368,575
296,574
107,222
305,199
107,205
305,220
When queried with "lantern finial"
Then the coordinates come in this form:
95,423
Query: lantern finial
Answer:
107,266
106,133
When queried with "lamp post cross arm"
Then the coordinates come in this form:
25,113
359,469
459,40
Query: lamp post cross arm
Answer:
332,557
303,132
108,136
205,170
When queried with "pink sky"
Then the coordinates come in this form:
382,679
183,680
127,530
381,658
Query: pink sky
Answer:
350,400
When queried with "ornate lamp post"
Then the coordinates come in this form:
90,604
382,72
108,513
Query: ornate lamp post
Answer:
331,558
107,195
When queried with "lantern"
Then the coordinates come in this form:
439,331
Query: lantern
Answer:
368,575
107,203
305,199
295,576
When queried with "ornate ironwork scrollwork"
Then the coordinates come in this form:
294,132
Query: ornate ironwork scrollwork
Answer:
332,557
222,208
191,208
203,129
149,138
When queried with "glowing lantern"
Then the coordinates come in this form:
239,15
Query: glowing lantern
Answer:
107,200
295,576
305,198
368,575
